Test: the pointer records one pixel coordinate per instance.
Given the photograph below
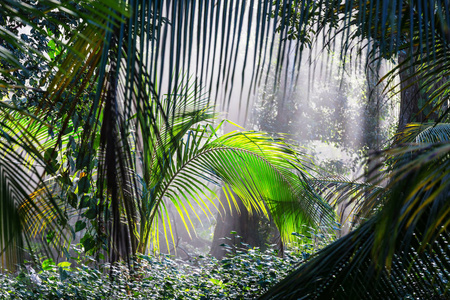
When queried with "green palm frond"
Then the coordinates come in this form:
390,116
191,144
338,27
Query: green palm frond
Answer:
31,145
25,155
424,133
10,220
399,252
434,134
259,169
355,200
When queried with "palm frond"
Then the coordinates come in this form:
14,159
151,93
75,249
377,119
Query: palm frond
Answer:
424,133
258,168
400,251
355,200
19,178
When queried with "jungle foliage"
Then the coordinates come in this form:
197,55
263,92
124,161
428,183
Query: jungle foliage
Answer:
99,119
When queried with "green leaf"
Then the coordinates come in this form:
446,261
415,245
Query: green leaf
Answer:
65,265
80,225
88,243
48,264
63,275
68,130
50,154
91,213
83,185
50,236
85,202
65,178
72,199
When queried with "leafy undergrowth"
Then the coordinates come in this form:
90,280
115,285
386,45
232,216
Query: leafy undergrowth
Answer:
243,275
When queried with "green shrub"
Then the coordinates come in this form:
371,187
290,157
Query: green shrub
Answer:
245,274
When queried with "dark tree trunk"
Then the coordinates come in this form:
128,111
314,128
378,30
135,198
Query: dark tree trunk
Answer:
249,229
410,94
412,98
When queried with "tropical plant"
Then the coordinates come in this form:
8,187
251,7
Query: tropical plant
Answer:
122,47
26,154
148,148
245,274
400,252
424,133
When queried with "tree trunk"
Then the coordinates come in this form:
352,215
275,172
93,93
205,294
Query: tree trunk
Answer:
412,97
251,229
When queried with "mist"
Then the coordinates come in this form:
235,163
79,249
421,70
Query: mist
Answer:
318,99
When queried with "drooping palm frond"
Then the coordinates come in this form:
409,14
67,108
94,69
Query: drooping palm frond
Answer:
26,134
354,200
263,170
10,222
424,133
400,252
255,166
22,141
41,162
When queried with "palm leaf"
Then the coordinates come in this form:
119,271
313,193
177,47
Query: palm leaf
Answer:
19,178
399,252
424,133
355,200
256,167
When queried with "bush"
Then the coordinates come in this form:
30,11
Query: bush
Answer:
245,274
